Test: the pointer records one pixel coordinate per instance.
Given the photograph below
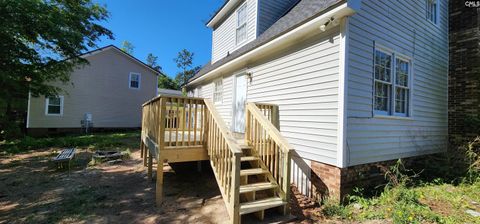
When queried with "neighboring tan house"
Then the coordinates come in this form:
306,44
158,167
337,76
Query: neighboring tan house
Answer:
108,93
358,82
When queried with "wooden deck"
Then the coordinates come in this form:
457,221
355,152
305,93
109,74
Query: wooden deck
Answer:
187,151
183,129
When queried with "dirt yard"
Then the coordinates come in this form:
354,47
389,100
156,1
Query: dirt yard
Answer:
32,190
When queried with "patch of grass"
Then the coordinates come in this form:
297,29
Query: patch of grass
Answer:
118,141
428,196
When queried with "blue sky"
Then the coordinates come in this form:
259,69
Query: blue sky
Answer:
162,27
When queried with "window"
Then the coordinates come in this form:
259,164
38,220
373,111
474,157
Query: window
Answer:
401,87
392,86
242,24
432,11
134,81
199,91
218,91
54,105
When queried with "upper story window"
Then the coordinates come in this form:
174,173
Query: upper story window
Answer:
432,10
134,80
218,91
241,24
54,105
392,76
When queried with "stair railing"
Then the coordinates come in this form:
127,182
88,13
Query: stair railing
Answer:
225,157
271,112
272,148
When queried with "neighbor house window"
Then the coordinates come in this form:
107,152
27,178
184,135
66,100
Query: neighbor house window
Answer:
134,81
432,10
242,23
392,84
218,91
54,105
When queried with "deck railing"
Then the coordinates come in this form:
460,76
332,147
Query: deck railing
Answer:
182,120
270,111
225,157
272,148
171,125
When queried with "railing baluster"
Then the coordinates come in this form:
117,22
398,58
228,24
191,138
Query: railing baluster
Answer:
267,142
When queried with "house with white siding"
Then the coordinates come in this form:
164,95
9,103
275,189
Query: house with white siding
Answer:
357,82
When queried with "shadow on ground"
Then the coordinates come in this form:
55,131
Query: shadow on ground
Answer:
32,190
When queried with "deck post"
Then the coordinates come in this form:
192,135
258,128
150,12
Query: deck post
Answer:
145,155
287,182
235,194
275,117
159,187
161,146
150,165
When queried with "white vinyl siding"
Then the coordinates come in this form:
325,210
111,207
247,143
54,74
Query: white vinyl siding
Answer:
224,34
401,27
304,83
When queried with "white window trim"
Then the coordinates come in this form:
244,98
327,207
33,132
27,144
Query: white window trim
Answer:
47,102
237,43
392,114
130,80
437,16
216,92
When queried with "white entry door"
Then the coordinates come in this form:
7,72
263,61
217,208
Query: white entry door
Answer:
239,103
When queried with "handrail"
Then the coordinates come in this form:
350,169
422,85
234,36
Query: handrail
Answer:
270,146
222,127
225,157
270,128
270,111
171,96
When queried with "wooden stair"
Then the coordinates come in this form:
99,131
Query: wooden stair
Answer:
257,192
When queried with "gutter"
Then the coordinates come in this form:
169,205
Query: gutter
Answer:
343,10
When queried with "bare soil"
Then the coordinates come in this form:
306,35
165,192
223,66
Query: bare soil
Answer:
33,190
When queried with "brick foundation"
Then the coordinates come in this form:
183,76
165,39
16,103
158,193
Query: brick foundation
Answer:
464,72
335,183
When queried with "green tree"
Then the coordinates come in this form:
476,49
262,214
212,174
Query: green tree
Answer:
127,47
152,62
40,43
184,61
165,82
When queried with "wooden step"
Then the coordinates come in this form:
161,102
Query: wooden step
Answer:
243,146
254,171
255,206
248,158
257,187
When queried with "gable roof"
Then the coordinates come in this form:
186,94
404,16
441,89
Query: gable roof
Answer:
302,12
111,46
